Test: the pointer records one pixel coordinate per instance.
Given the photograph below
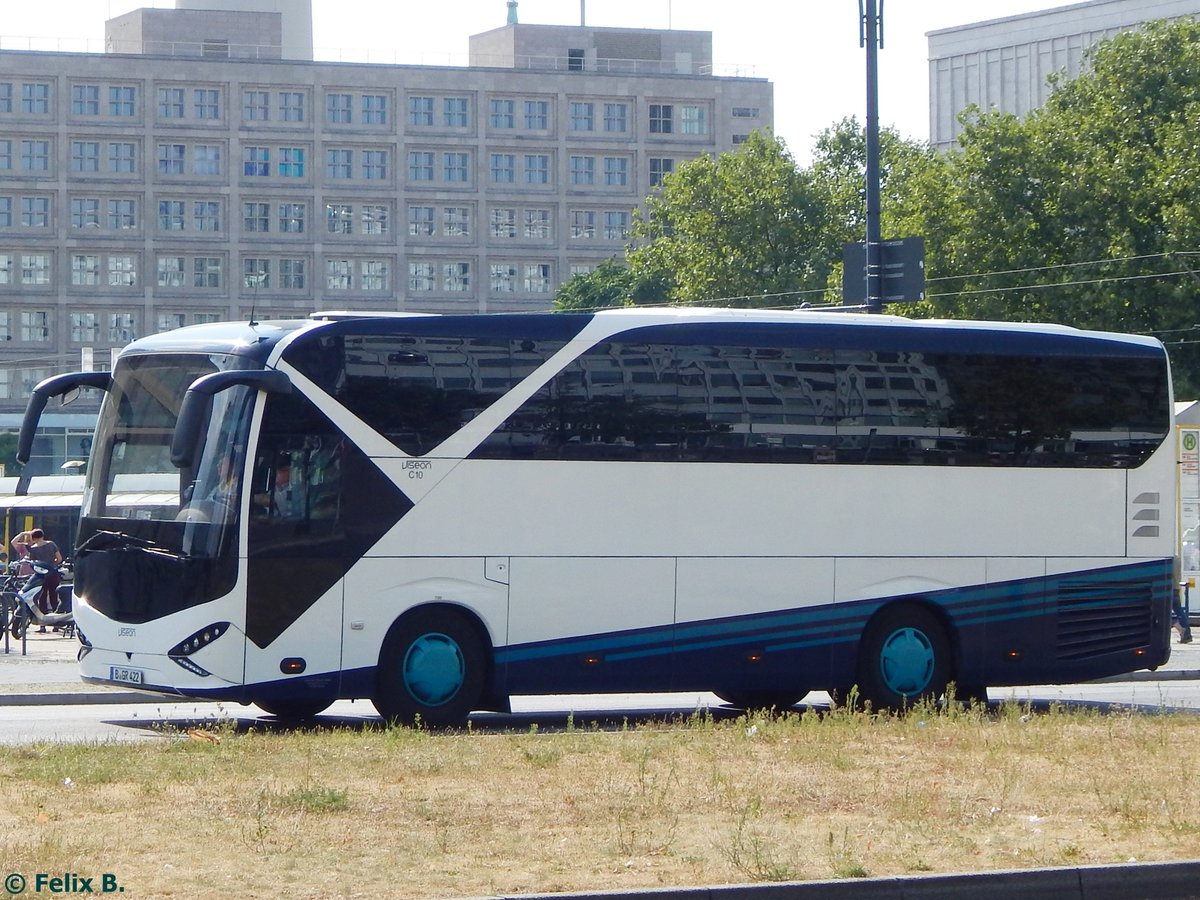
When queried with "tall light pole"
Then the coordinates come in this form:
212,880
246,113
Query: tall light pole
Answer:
870,35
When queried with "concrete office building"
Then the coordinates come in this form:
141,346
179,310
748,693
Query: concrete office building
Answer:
1003,64
204,174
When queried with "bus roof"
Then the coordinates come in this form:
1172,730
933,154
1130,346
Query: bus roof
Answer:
256,340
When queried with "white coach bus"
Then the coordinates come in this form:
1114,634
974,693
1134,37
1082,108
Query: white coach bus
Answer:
439,512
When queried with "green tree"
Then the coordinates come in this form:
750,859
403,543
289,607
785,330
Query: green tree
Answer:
745,228
1084,213
611,284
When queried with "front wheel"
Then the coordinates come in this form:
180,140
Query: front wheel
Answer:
904,658
432,669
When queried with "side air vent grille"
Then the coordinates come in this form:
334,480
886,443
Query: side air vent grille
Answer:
1095,619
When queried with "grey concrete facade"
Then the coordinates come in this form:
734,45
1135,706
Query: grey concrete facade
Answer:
143,192
1004,64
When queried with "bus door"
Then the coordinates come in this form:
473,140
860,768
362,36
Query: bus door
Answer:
296,549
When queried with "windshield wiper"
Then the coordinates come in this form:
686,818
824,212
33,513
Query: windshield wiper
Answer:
116,540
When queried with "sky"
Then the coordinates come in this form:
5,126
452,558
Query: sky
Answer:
809,49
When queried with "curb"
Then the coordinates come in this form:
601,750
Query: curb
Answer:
80,698
1147,881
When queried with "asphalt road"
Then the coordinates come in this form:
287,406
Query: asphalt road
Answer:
41,698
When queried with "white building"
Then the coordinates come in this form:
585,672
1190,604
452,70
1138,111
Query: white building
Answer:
1003,64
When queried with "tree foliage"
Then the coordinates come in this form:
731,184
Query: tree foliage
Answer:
742,229
1083,213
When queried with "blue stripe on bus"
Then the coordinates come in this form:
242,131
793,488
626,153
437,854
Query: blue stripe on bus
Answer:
841,623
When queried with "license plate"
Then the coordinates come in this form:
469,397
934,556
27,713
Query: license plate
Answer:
125,675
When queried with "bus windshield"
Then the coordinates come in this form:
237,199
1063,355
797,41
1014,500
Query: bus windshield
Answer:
133,445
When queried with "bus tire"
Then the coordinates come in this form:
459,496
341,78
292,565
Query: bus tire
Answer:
432,670
904,657
293,709
749,700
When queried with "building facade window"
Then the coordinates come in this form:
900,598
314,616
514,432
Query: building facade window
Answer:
537,278
456,222
85,156
616,171
256,106
420,221
455,112
339,163
616,225
122,214
339,275
537,115
170,271
206,272
338,109
583,170
206,104
256,217
660,167
420,111
292,217
537,224
616,118
171,215
85,212
375,165
455,167
583,224
537,168
503,223
375,218
35,98
122,158
693,120
291,162
122,101
374,109
421,277
85,99
456,277
662,118
292,106
85,270
35,156
420,165
339,218
206,159
35,212
170,103
503,168
256,162
582,116
502,113
206,215
292,274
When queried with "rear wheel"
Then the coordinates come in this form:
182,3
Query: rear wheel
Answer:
432,669
761,699
904,657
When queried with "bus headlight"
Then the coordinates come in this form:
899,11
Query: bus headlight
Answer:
200,639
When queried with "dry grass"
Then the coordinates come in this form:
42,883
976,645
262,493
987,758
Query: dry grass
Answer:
405,813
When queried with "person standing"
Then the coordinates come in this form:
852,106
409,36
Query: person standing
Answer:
41,549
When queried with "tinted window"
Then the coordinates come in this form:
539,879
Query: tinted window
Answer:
715,402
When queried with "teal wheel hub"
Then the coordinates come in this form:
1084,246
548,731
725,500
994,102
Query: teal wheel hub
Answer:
434,669
906,662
